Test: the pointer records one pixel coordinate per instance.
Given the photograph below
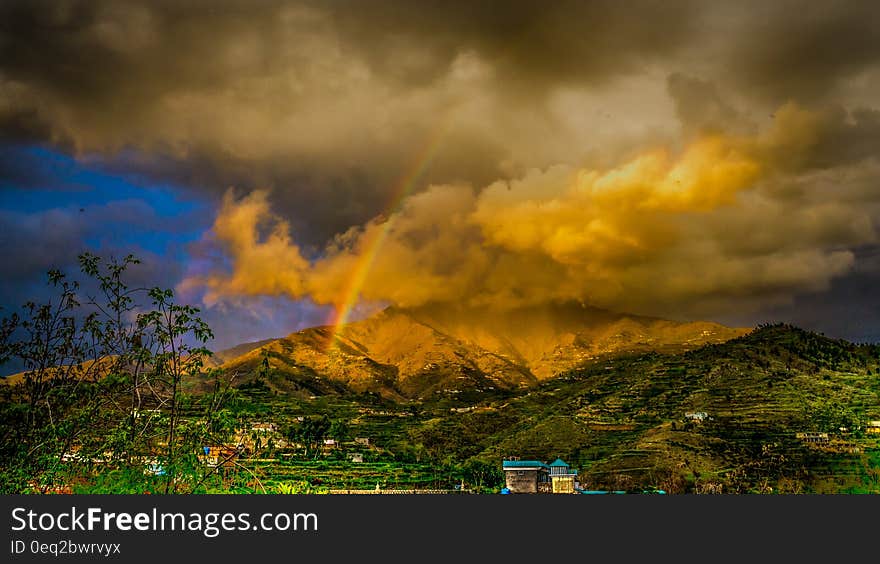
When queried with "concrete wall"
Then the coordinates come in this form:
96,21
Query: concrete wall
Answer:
521,481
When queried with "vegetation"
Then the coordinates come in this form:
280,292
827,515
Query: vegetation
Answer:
100,402
117,396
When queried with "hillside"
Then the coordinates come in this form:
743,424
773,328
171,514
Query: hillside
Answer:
721,418
218,358
401,353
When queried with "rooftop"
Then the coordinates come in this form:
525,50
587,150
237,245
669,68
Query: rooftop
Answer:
523,464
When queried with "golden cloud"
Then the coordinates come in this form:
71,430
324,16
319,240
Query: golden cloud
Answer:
702,229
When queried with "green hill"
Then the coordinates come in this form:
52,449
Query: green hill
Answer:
726,418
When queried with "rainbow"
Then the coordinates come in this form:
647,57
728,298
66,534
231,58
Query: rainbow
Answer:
404,187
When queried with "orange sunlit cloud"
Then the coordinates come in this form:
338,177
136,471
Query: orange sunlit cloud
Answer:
645,231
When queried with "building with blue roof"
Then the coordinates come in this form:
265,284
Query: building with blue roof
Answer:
535,476
525,476
562,477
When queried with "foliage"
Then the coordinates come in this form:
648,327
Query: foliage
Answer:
311,433
298,487
481,476
101,403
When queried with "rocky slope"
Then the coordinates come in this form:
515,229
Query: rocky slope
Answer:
410,353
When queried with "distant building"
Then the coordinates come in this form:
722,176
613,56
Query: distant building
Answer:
364,441
873,427
562,477
154,468
812,437
357,457
534,476
696,415
259,435
525,476
219,455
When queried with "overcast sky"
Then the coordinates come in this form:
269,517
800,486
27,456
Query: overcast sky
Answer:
714,160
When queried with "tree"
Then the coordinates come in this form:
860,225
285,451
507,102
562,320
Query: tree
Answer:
310,433
171,358
101,391
265,368
481,475
339,430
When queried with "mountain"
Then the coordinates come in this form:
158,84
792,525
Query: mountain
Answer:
778,409
412,353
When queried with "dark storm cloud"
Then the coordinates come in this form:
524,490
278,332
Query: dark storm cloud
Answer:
327,104
794,49
700,108
532,44
181,45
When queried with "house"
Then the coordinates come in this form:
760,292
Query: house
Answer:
357,457
696,415
219,455
259,435
813,437
873,427
534,476
563,478
363,441
152,466
525,476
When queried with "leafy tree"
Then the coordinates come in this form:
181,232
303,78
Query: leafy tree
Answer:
339,429
311,433
481,475
102,391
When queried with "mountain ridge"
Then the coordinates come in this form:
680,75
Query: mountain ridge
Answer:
406,353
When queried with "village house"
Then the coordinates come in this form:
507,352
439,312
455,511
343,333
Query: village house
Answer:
219,455
873,427
534,476
813,438
328,445
264,427
259,435
525,476
563,478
